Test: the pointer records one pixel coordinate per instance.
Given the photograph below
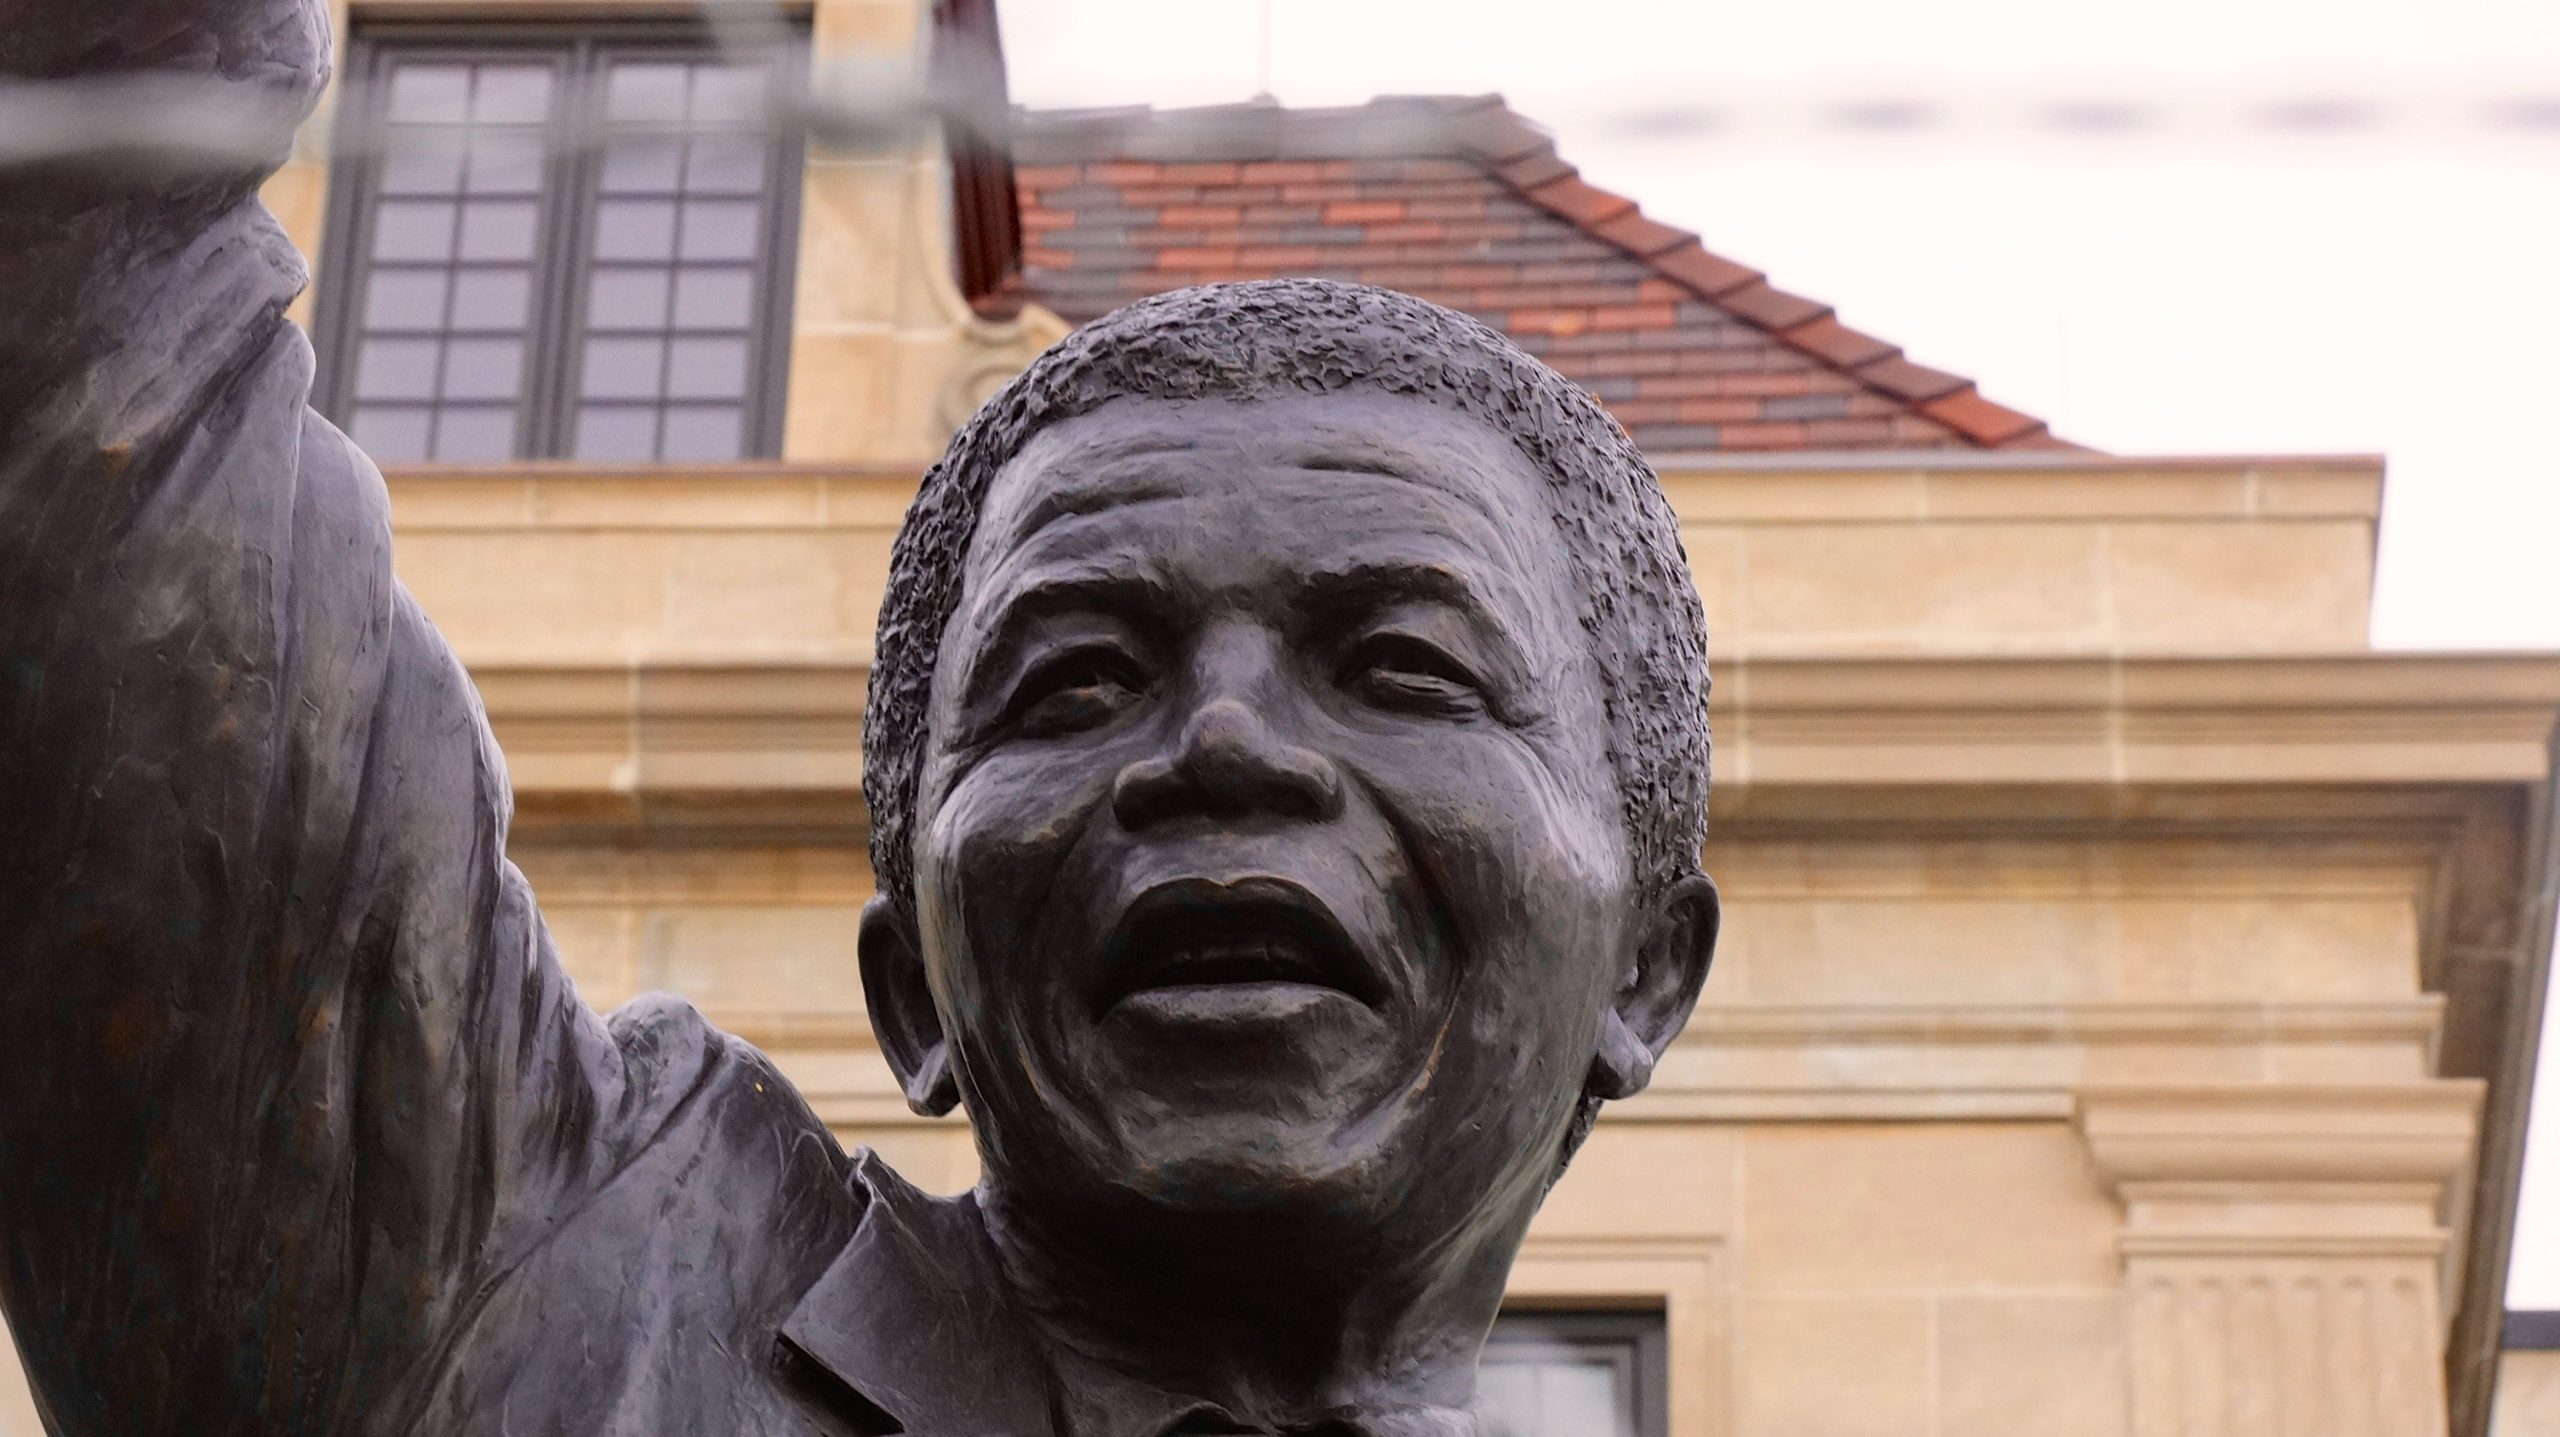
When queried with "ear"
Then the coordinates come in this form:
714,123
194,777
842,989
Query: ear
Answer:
1661,987
902,1012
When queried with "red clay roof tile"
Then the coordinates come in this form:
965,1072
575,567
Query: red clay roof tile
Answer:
1903,379
1768,307
1967,412
1580,201
1360,212
1704,271
1637,234
1832,342
1464,202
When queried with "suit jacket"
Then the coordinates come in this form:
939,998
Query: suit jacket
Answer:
302,1127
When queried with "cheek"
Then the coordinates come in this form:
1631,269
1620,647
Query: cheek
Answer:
1512,833
989,850
1529,876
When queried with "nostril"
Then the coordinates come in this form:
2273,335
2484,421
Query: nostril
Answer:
1137,793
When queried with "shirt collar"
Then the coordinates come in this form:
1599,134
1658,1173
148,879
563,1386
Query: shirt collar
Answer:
916,1317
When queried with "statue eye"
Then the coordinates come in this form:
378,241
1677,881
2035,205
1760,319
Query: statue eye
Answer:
1399,671
1081,688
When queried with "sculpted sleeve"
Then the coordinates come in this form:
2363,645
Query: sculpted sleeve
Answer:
289,1074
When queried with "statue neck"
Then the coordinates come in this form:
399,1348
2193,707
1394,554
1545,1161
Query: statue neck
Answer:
1278,1323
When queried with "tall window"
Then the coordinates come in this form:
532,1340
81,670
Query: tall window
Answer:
1577,1374
560,244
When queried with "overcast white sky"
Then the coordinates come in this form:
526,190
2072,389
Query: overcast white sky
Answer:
2207,280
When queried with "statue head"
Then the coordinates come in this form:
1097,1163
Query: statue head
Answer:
1287,754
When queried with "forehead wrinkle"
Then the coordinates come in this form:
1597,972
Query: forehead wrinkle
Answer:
1082,474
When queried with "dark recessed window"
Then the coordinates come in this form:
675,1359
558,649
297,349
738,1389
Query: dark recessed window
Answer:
1576,1374
548,243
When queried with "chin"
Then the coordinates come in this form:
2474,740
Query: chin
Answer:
1254,1166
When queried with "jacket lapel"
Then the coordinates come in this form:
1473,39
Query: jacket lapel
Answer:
913,1317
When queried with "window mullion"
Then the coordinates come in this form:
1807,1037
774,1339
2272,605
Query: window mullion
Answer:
775,321
345,266
577,158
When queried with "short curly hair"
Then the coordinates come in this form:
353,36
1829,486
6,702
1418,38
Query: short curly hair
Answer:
1639,606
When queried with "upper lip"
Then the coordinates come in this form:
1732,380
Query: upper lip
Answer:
1253,930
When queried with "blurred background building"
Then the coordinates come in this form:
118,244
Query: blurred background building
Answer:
2131,977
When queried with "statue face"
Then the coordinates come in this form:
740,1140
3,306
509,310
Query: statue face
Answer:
1268,849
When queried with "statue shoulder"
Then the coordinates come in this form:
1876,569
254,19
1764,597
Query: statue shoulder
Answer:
709,1092
705,1196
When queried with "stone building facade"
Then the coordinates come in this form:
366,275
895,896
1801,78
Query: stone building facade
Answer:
2125,999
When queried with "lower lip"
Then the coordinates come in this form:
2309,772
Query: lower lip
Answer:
1231,1003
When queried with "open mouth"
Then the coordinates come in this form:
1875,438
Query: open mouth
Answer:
1196,934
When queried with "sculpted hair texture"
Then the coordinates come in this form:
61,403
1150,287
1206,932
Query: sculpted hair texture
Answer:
1639,607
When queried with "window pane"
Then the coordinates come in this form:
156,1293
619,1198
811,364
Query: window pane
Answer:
732,95
705,432
715,298
398,369
651,166
392,434
413,230
507,163
646,93
635,229
623,368
498,229
1574,1375
720,229
423,162
476,433
406,299
707,369
1508,1393
1583,1397
491,298
627,299
617,432
512,95
725,165
1557,1393
483,368
438,93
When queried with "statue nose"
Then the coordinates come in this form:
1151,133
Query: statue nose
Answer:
1228,763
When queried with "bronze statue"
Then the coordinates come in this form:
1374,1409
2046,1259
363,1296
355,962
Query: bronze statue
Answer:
1288,761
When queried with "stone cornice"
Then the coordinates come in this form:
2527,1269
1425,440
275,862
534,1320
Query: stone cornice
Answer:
2163,1141
1884,1063
2023,1024
1943,486
2096,733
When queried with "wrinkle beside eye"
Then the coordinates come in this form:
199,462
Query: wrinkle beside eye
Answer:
1403,671
1072,690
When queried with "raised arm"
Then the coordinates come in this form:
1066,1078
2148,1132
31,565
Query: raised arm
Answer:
288,1069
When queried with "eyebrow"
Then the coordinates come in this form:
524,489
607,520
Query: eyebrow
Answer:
1375,583
1135,594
